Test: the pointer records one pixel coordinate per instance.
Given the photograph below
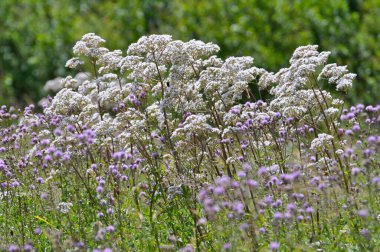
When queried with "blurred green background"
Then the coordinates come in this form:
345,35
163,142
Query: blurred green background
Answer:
36,36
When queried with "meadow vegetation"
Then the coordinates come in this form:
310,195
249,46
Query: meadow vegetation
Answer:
167,148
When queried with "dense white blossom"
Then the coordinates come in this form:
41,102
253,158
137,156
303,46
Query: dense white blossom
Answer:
110,61
195,124
321,141
185,90
67,102
89,46
64,207
338,75
74,63
150,46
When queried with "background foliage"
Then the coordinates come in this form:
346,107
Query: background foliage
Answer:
37,35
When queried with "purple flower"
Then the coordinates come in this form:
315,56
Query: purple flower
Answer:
110,229
15,184
287,215
188,248
268,199
80,244
349,151
356,128
252,183
277,216
350,116
235,184
227,246
202,221
241,174
58,154
235,110
340,131
238,207
363,213
66,158
274,246
57,132
278,203
309,210
360,107
376,181
372,139
100,189
364,232
244,226
118,155
45,142
367,152
262,171
48,159
218,190
223,181
71,128
355,171
28,247
349,132
13,248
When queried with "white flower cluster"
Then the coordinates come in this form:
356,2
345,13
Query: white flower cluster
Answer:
295,89
68,102
64,207
339,75
58,83
323,140
303,64
88,46
74,63
195,124
226,84
181,89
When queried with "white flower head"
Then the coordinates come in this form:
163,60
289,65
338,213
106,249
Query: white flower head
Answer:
110,61
149,44
74,63
89,46
323,140
64,207
338,75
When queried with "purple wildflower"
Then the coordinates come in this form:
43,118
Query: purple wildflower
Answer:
274,246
